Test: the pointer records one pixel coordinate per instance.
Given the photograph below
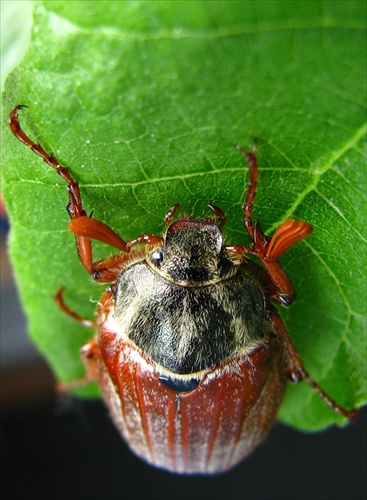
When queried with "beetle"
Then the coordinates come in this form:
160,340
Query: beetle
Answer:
191,353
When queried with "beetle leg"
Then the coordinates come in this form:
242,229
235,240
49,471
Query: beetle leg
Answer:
83,227
250,158
75,208
269,250
64,307
295,369
89,354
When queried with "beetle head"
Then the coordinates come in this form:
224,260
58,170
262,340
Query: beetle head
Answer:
192,254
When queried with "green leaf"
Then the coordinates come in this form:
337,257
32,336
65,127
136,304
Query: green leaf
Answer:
143,102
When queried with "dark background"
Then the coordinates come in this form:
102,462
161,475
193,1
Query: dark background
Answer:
55,447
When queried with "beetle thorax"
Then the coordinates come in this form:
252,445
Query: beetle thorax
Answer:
192,254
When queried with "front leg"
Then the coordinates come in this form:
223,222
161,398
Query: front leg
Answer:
269,250
83,227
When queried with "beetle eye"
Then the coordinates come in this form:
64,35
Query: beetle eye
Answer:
157,257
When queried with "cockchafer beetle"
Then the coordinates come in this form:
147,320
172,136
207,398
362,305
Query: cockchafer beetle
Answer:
191,354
